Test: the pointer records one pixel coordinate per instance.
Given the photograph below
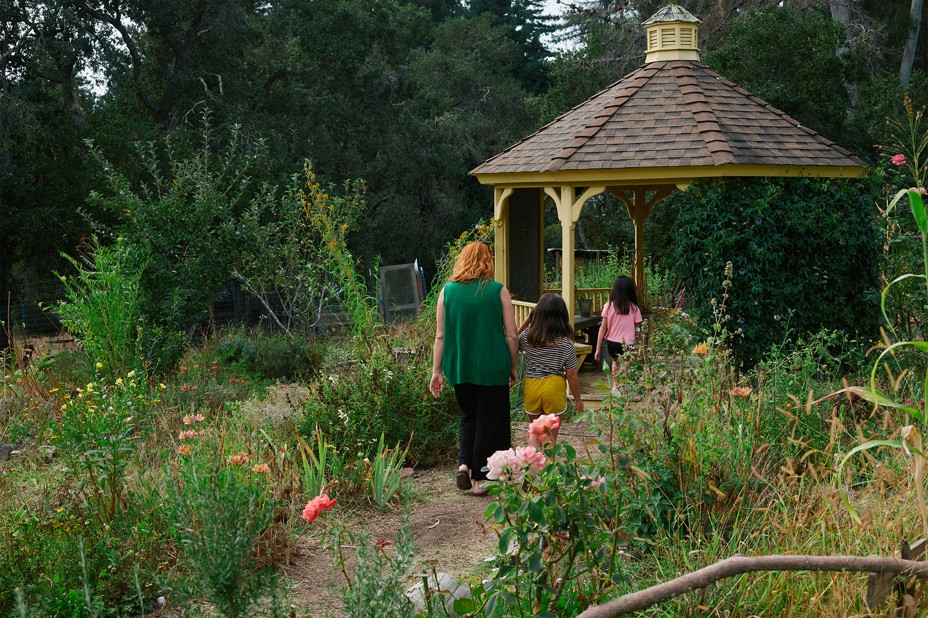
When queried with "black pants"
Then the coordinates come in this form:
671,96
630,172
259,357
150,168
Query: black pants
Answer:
484,427
616,349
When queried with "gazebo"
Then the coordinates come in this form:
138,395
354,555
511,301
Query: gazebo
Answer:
668,123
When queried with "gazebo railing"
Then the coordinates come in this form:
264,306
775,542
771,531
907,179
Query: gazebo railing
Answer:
522,310
599,296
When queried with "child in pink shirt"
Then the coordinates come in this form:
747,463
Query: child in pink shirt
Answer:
621,317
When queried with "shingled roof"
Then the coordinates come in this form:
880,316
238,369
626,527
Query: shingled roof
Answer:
674,113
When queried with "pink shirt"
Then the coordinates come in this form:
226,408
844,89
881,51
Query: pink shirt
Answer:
621,328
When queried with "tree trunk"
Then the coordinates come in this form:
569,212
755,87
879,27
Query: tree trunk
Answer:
72,95
841,13
908,54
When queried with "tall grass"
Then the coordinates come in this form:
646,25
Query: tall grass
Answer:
102,307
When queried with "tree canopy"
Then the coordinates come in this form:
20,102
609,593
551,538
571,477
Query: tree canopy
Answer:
405,95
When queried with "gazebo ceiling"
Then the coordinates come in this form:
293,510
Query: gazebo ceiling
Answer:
669,121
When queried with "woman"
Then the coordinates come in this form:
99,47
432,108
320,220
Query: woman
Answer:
477,347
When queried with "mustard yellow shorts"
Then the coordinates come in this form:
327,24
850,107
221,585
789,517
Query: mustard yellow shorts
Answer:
546,395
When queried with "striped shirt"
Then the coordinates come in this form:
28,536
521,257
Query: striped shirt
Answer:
550,360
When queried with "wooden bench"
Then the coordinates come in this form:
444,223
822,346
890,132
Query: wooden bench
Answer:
583,350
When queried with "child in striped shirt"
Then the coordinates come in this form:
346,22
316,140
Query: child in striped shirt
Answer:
546,340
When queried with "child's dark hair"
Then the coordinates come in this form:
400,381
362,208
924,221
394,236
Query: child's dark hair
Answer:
623,295
550,321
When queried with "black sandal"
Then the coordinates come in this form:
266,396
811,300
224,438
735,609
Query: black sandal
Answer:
463,480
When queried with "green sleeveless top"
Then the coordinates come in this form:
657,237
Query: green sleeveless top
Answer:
475,349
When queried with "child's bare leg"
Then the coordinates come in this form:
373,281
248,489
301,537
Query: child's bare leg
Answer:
615,374
532,439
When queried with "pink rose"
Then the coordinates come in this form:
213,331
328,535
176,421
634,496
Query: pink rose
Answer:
543,426
513,464
898,160
316,506
594,482
531,458
502,465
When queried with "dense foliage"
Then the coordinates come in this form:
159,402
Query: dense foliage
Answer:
791,61
145,466
804,255
406,95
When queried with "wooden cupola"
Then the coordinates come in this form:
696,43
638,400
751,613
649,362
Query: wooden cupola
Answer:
673,34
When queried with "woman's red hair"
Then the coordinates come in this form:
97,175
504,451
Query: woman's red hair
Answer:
474,262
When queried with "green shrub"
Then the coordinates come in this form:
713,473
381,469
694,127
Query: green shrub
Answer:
220,507
804,255
271,355
238,348
279,356
103,307
380,395
41,546
228,368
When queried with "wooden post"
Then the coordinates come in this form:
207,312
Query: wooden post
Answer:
639,208
568,246
881,585
501,234
569,208
639,214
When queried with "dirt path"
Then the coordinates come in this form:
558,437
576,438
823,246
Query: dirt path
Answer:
447,524
447,527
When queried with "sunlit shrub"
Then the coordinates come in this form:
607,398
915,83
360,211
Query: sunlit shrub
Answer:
97,433
383,395
103,307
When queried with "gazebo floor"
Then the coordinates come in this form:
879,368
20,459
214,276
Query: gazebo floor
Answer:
594,385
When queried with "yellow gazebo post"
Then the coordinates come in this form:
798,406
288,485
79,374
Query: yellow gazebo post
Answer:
639,208
501,233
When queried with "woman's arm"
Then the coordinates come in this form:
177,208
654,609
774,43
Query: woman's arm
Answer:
438,381
574,383
512,335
